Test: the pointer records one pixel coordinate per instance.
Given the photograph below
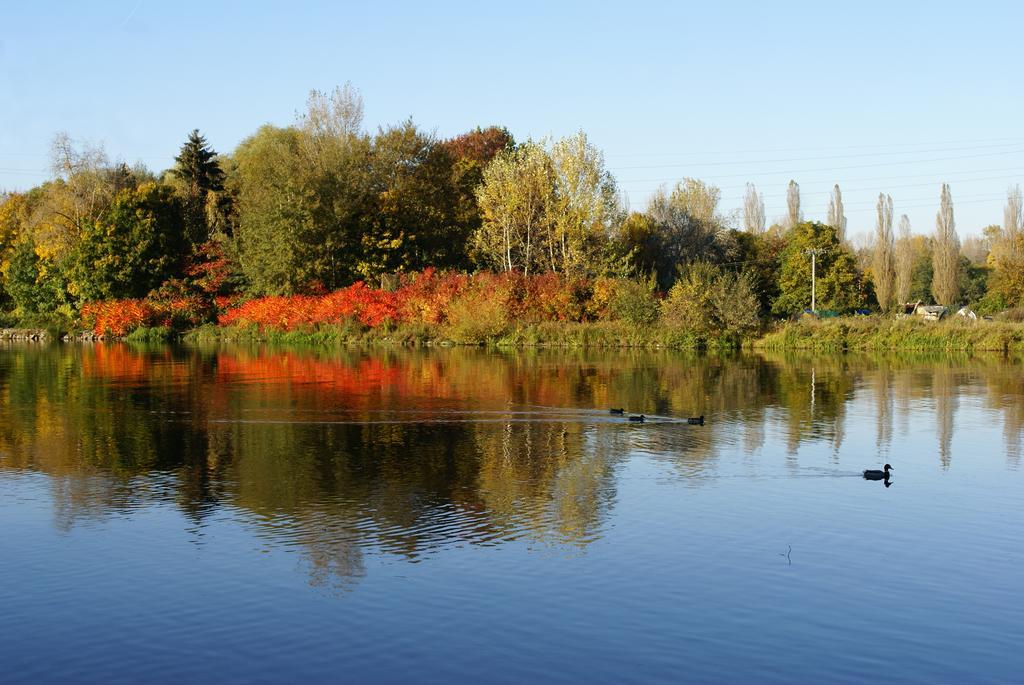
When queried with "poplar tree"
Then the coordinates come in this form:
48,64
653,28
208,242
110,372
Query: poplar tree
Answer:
753,211
836,217
904,261
946,253
882,263
793,215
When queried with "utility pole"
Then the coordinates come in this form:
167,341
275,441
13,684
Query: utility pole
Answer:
814,259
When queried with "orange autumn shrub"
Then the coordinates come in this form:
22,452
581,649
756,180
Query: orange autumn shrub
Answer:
477,305
602,293
119,317
474,306
358,302
426,297
550,297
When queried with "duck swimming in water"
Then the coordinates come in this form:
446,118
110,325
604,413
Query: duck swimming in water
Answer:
617,411
638,419
875,474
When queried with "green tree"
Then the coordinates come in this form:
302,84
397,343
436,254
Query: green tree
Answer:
637,240
413,220
838,285
635,302
689,228
14,209
22,279
132,248
883,261
921,275
712,302
301,197
277,240
759,254
974,280
199,172
335,177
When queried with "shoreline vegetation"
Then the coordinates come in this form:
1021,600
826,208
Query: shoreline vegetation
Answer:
836,335
321,232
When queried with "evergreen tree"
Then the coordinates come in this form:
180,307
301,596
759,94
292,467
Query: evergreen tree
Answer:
197,168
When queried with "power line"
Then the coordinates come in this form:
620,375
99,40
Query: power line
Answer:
816,158
874,179
996,198
872,202
793,172
818,148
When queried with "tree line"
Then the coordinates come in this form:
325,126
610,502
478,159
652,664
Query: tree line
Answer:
322,203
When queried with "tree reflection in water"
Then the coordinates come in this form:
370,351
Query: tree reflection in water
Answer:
342,453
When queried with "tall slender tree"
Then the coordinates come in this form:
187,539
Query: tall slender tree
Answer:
836,217
753,211
1007,255
793,214
1013,213
882,264
946,253
904,261
196,166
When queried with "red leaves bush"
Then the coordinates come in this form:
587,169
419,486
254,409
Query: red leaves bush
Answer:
370,307
119,317
179,303
429,297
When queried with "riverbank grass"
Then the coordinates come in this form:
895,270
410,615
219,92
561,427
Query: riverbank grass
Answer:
877,333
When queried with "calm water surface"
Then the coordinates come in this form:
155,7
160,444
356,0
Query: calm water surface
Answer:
255,515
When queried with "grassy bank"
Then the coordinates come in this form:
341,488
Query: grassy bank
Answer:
876,333
601,334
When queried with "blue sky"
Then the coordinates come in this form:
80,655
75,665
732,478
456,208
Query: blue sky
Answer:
875,96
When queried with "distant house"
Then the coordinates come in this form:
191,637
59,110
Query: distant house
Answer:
928,312
932,312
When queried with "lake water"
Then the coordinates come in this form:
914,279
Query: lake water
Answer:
245,515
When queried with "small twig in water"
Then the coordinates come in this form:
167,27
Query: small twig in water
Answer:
787,555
